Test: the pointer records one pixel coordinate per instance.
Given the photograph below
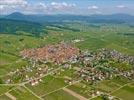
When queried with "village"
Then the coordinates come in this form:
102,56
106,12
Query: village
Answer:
89,67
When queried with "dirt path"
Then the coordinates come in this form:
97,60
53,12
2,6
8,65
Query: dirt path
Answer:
75,94
10,96
33,93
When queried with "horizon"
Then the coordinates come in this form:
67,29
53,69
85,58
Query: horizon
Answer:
67,7
67,14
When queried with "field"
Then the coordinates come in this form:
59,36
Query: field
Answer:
125,92
53,86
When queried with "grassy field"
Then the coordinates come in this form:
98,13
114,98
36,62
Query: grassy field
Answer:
126,93
107,86
59,95
92,38
4,97
48,84
81,89
4,89
6,68
109,36
22,94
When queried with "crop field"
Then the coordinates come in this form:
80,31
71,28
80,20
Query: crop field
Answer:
60,95
21,93
126,92
63,82
48,84
81,89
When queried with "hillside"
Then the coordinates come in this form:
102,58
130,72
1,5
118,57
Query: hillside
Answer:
21,27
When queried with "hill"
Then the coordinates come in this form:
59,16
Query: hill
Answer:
114,18
20,27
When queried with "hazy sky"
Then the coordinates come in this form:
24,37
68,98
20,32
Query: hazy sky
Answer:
80,7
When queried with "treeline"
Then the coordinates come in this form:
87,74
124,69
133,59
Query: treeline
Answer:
65,27
128,34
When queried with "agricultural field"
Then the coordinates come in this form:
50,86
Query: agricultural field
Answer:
22,78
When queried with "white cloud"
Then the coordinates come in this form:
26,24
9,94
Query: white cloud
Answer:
1,7
47,8
34,8
5,9
121,6
9,6
93,7
13,2
61,6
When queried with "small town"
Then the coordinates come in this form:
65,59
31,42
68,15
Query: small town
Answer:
89,67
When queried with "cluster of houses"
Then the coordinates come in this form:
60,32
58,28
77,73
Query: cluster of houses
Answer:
106,53
92,75
27,73
94,65
106,96
35,81
53,53
103,95
128,74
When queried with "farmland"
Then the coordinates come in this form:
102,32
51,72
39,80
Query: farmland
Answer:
22,78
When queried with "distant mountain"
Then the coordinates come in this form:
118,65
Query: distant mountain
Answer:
119,16
114,18
1,16
32,18
16,16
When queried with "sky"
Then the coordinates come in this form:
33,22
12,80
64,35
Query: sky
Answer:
77,7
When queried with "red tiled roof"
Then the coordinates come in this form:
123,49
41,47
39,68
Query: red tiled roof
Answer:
55,53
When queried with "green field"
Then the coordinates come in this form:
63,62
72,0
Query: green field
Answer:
126,93
59,95
81,89
22,94
4,89
92,37
48,84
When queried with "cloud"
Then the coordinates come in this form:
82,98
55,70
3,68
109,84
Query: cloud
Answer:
93,7
13,2
1,7
37,8
9,6
61,6
121,6
46,8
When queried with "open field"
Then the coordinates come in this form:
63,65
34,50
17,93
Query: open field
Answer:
47,85
60,95
21,93
51,85
4,89
126,92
